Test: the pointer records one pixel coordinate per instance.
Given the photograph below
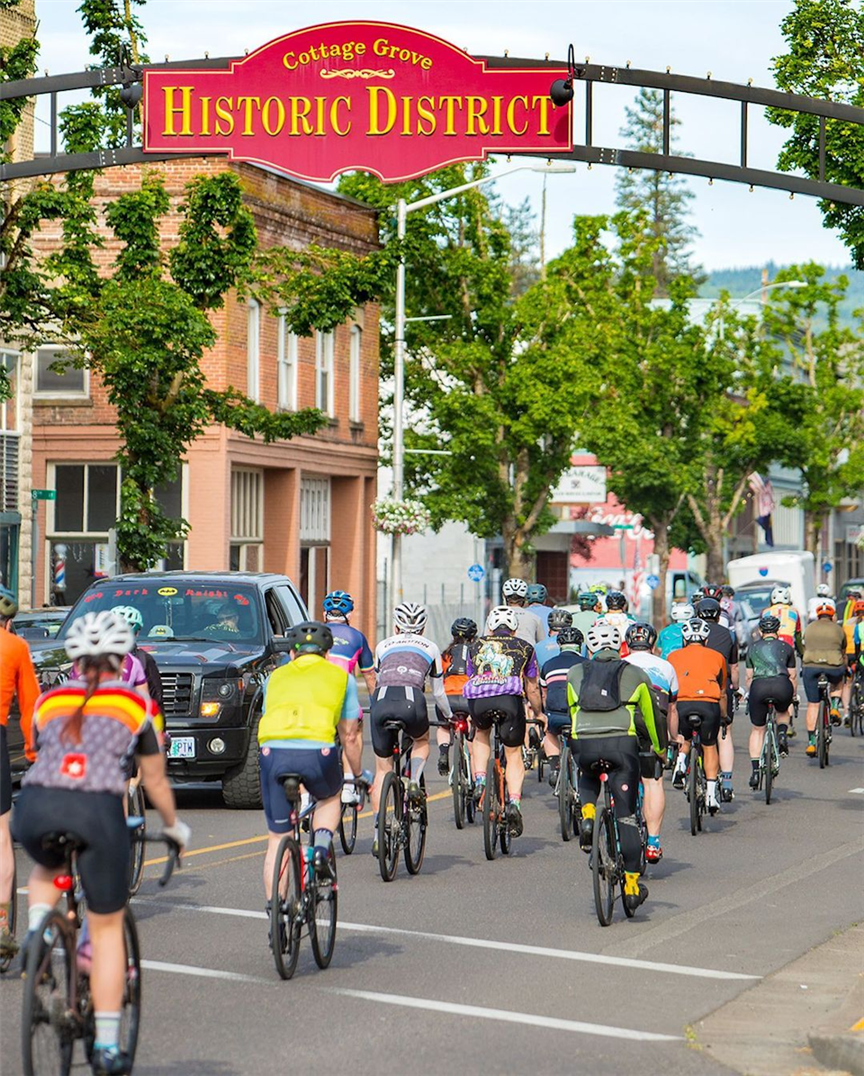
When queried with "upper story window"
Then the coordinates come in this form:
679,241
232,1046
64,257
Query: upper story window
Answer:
356,348
65,381
287,367
324,351
253,351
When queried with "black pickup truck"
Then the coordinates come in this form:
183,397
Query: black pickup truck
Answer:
214,636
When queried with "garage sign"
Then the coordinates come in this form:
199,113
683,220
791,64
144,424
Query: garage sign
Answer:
341,96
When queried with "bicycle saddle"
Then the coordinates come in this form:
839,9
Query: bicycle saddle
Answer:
291,783
395,724
693,720
58,841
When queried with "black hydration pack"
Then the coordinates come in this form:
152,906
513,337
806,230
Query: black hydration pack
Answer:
601,685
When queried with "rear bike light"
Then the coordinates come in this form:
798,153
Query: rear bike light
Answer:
63,882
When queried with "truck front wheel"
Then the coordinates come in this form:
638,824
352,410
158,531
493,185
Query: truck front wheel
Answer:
241,785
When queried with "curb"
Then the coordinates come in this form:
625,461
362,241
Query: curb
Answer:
844,1052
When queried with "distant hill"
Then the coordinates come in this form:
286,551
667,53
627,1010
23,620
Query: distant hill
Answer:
746,279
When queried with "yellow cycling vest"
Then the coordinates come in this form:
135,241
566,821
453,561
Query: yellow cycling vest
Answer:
304,701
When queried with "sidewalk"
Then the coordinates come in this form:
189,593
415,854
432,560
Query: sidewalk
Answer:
796,1018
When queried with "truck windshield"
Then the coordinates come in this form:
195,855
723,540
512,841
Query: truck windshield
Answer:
180,609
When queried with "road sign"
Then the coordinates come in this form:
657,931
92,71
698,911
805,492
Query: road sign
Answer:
476,573
44,494
653,581
623,526
826,567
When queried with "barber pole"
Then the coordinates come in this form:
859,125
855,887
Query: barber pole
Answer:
60,567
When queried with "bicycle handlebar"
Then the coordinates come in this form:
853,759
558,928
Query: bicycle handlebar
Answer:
174,851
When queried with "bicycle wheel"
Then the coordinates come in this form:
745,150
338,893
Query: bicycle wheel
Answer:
137,809
822,736
505,840
603,867
48,1021
565,794
322,927
458,780
418,822
490,810
389,826
766,763
285,907
348,827
693,791
130,1014
470,804
13,916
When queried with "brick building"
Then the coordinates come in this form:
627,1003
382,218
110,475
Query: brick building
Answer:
300,507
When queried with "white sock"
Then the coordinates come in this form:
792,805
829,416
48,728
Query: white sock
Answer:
107,1030
417,765
35,914
712,789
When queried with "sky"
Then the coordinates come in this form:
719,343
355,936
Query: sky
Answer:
733,39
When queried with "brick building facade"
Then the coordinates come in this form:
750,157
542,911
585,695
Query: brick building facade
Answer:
300,507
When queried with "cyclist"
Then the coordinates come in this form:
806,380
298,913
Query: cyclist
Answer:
823,591
702,691
824,652
350,651
153,680
17,679
641,639
547,648
849,600
613,715
455,663
589,610
553,691
305,703
790,621
669,638
851,628
502,668
403,662
528,626
616,614
536,599
85,731
715,591
724,642
772,673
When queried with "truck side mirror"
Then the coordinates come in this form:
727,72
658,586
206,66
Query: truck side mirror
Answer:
281,645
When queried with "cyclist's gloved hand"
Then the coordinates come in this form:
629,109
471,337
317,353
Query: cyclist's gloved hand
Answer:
368,776
179,832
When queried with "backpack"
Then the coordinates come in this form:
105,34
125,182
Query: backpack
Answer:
601,685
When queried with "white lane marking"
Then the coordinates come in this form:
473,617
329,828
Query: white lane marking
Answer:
202,973
483,943
508,1017
859,791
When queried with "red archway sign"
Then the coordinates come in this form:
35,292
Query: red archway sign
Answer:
372,96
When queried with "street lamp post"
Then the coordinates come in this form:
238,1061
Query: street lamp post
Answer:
761,291
403,208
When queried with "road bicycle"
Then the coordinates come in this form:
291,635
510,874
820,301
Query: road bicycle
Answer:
137,810
769,759
495,798
461,777
607,859
57,1008
299,897
695,783
351,813
402,824
823,723
856,705
567,792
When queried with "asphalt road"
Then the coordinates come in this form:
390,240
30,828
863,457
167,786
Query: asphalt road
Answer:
492,967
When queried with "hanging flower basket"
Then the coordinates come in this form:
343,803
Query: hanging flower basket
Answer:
400,517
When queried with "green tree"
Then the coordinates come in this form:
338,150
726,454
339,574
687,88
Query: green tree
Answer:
827,443
824,58
664,198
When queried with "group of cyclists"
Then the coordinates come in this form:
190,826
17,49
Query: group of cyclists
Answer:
607,686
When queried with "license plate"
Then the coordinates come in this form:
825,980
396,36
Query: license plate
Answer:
182,747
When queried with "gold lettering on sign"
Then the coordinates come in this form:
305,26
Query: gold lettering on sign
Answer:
184,109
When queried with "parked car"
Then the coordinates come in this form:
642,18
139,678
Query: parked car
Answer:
40,626
215,637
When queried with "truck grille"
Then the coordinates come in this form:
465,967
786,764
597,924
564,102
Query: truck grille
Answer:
177,694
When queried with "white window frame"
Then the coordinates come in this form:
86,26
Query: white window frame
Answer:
247,505
253,350
325,348
315,500
58,394
355,352
286,366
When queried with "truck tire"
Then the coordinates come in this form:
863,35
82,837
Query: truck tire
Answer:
241,785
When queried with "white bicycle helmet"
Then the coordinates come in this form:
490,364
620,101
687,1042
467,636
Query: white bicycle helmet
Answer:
695,631
514,588
781,596
502,616
410,617
602,636
131,615
96,635
823,591
683,612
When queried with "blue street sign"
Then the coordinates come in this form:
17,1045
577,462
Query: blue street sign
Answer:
653,581
826,567
476,573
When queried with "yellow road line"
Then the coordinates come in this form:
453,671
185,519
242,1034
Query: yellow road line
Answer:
257,840
859,1026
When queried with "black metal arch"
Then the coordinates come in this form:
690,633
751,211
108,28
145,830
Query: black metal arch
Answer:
587,151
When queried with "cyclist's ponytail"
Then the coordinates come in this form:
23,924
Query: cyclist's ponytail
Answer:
91,670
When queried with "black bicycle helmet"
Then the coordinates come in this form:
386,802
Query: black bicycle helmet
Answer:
559,618
615,600
712,590
463,628
728,592
769,624
570,636
709,609
310,637
640,637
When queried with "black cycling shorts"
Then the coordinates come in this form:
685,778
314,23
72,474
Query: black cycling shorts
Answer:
556,723
777,689
319,768
511,727
5,773
97,819
404,704
810,678
710,714
621,755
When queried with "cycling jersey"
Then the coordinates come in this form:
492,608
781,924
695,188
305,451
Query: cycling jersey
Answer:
406,660
542,613
824,643
583,620
634,716
455,663
669,639
116,725
723,641
547,648
528,626
770,658
151,674
850,627
701,673
304,701
17,679
661,673
553,679
350,648
790,622
497,665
